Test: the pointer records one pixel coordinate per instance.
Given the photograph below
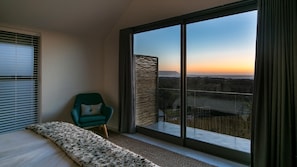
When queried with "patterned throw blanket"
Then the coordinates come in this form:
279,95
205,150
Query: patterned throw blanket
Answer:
87,148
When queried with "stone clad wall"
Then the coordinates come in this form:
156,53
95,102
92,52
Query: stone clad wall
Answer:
146,89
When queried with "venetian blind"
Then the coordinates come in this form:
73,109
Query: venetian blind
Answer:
18,80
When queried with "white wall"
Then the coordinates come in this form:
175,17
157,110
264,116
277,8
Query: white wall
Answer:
69,65
141,12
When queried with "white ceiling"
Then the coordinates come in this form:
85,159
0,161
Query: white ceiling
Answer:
80,17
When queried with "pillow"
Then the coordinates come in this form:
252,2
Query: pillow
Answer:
90,109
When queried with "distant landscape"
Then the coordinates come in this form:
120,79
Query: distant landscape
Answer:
224,83
177,75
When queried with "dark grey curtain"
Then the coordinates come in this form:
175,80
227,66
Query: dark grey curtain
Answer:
126,82
275,96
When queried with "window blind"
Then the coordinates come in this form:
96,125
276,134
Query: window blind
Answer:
18,80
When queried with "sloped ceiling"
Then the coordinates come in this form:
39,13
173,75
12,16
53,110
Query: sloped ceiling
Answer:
94,18
79,17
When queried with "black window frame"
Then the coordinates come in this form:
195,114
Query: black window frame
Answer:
212,13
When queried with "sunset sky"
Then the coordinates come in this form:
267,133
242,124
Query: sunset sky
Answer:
222,46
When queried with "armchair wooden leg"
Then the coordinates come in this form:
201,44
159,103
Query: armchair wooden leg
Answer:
105,130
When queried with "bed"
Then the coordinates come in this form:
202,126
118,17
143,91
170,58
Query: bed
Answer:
64,145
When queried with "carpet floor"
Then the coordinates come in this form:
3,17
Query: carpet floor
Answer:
153,153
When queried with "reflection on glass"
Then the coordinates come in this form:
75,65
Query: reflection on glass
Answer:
157,58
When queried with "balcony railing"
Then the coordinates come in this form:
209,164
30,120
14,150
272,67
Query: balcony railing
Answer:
221,112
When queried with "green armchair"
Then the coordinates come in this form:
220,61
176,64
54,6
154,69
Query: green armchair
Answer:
89,110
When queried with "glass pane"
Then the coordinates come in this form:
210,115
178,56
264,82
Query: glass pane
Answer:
220,69
16,60
157,55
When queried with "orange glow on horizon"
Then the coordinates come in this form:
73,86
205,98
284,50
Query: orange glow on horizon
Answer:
213,70
235,70
230,64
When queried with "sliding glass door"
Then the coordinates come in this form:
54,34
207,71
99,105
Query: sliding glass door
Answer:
157,68
194,80
220,69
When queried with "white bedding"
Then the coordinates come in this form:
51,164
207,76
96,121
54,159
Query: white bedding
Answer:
62,144
27,149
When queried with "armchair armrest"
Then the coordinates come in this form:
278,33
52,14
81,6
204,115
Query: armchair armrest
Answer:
107,111
75,116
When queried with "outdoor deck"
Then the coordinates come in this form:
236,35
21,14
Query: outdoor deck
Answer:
227,141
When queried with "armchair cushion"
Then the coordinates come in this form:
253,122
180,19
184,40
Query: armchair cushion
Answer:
91,109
